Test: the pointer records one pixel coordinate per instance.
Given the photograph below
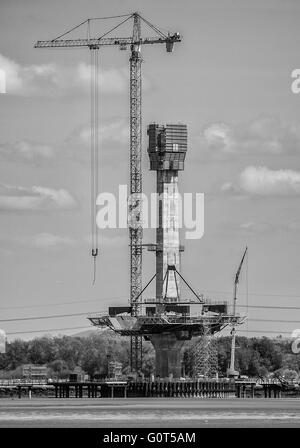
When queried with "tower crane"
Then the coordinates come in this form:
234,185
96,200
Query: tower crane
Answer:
135,43
231,371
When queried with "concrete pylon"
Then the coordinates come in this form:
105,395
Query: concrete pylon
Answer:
167,354
167,235
167,150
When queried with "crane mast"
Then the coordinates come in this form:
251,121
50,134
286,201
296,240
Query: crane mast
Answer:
231,371
134,204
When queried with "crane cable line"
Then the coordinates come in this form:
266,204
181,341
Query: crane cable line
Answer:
88,21
128,17
115,27
94,153
247,288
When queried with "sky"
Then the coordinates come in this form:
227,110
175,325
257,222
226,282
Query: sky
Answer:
229,80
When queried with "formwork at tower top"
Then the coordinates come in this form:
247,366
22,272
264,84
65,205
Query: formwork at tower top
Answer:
173,137
168,320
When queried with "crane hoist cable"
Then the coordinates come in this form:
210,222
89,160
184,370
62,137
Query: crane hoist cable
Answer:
88,22
95,143
94,153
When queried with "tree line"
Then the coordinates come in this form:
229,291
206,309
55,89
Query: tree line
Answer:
255,357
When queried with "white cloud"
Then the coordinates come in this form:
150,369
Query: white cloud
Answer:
16,198
218,136
109,238
294,226
264,181
52,79
252,227
114,240
43,240
113,135
262,227
265,135
26,80
114,131
48,240
110,81
26,151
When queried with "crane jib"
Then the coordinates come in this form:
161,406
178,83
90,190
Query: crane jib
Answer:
104,42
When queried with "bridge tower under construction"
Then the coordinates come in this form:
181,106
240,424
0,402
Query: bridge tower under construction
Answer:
167,320
167,149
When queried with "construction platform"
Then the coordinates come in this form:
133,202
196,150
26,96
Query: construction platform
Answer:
188,325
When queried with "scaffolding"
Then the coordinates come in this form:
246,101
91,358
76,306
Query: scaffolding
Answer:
203,355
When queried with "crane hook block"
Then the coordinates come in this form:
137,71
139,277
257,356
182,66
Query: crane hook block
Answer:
94,252
169,46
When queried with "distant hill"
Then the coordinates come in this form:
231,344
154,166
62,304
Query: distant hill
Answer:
86,333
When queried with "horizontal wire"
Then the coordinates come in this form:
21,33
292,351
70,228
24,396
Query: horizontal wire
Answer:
51,329
270,307
283,295
61,303
124,297
52,316
86,328
274,320
264,331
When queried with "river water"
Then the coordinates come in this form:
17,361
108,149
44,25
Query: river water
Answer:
164,413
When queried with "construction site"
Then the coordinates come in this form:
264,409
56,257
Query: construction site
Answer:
172,319
150,220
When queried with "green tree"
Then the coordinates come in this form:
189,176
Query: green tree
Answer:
16,354
42,350
58,368
70,350
93,362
